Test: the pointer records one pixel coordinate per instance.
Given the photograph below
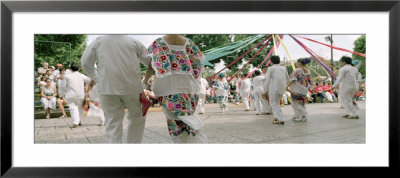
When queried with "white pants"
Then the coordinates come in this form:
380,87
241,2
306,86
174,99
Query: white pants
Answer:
114,111
275,100
201,102
75,109
245,99
265,106
346,99
328,96
49,103
261,103
299,109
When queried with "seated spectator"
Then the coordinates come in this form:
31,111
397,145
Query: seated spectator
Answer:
42,70
318,91
48,93
327,91
41,81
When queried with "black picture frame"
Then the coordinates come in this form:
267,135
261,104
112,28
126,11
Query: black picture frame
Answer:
8,7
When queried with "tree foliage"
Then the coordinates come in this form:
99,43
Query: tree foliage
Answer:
56,49
360,46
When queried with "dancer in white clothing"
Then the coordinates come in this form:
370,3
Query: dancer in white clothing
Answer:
73,89
245,86
348,85
118,81
222,86
275,84
300,83
202,95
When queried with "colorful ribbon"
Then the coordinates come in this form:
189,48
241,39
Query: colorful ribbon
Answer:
258,52
334,47
315,58
241,56
287,52
269,54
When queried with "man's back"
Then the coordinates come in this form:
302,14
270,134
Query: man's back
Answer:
118,58
277,78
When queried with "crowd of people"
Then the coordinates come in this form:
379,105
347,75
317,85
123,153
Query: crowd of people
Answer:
112,82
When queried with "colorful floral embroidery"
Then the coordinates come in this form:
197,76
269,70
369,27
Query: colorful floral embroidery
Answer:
302,79
166,60
177,127
181,104
299,98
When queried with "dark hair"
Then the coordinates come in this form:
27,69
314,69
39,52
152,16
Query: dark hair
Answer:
257,73
47,79
275,59
345,59
75,66
264,67
61,69
304,61
245,74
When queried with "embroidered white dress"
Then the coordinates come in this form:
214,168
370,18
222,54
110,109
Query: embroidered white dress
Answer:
177,85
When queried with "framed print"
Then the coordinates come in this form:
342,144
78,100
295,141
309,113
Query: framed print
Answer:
24,22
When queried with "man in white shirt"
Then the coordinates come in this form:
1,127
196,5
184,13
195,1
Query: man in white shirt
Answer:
73,89
202,95
347,80
265,106
275,85
118,77
258,82
245,86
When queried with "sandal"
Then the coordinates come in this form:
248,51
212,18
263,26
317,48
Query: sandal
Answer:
63,116
48,116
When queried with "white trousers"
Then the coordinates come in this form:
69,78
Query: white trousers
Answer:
299,109
245,99
201,103
114,111
265,106
328,96
346,99
275,100
75,109
260,103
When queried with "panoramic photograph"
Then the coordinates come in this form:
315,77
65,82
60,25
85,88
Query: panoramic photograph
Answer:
199,88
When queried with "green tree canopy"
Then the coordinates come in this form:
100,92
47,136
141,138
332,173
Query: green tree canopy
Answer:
56,49
360,46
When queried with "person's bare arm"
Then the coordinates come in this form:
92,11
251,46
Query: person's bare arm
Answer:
148,74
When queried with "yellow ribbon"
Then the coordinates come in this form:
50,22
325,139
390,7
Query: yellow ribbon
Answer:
275,49
290,58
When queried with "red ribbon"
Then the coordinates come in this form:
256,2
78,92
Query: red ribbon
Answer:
334,47
213,76
269,54
255,55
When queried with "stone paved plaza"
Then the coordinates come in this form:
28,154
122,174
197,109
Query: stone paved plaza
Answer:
324,125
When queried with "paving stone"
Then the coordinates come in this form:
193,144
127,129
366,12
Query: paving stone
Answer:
324,125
